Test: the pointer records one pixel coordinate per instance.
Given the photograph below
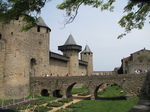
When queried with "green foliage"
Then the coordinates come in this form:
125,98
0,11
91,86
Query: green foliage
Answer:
71,6
43,108
79,90
111,91
85,93
13,9
65,100
106,105
75,105
55,104
137,12
135,18
65,110
5,101
44,99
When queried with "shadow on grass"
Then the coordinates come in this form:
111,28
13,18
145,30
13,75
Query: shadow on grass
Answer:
108,98
111,98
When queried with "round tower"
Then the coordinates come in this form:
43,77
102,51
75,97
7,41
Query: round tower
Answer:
24,54
87,55
71,49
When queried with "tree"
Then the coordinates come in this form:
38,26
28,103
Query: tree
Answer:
13,9
137,11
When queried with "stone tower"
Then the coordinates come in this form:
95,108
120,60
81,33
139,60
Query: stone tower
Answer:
71,49
22,55
87,55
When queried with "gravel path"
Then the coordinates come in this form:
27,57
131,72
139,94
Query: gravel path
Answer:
75,100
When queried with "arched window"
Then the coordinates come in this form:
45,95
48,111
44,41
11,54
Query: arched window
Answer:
32,66
38,29
0,36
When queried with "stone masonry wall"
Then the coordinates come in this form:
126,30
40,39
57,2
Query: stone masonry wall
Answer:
58,67
82,70
2,59
132,84
20,49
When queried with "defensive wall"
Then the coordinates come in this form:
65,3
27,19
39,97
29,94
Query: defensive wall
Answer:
133,85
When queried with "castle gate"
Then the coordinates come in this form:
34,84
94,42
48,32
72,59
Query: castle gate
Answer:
133,85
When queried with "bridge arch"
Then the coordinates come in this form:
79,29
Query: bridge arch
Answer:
132,84
69,89
44,92
57,93
104,86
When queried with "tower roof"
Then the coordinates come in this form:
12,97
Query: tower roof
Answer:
70,44
70,41
40,22
86,49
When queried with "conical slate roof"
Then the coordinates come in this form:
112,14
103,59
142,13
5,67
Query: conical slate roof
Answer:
70,41
40,22
86,49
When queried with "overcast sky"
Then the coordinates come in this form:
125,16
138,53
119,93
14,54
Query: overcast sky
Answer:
99,30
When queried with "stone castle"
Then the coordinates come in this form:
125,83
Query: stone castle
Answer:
26,54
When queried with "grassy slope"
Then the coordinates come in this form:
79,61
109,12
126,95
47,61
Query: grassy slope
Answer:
78,90
107,105
111,91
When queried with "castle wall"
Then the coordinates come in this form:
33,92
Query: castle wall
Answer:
88,57
73,63
58,67
2,61
82,70
26,54
138,60
141,66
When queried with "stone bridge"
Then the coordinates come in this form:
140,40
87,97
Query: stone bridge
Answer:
133,85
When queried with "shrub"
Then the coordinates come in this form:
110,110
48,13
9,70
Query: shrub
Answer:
85,93
42,108
65,110
65,100
75,105
55,104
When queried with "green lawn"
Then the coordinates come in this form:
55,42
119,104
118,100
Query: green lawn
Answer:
79,90
106,105
111,91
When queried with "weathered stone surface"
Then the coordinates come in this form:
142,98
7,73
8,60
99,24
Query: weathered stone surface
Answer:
133,85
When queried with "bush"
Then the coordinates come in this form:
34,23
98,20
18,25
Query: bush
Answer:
85,93
75,105
65,100
55,104
65,110
42,109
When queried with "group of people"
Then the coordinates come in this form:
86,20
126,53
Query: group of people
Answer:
68,74
140,71
51,75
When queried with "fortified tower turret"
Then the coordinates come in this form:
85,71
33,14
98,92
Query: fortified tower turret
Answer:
23,54
87,55
71,49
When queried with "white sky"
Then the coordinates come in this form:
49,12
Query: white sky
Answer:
97,29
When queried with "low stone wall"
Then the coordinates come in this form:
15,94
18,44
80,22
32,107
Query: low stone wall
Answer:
148,85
